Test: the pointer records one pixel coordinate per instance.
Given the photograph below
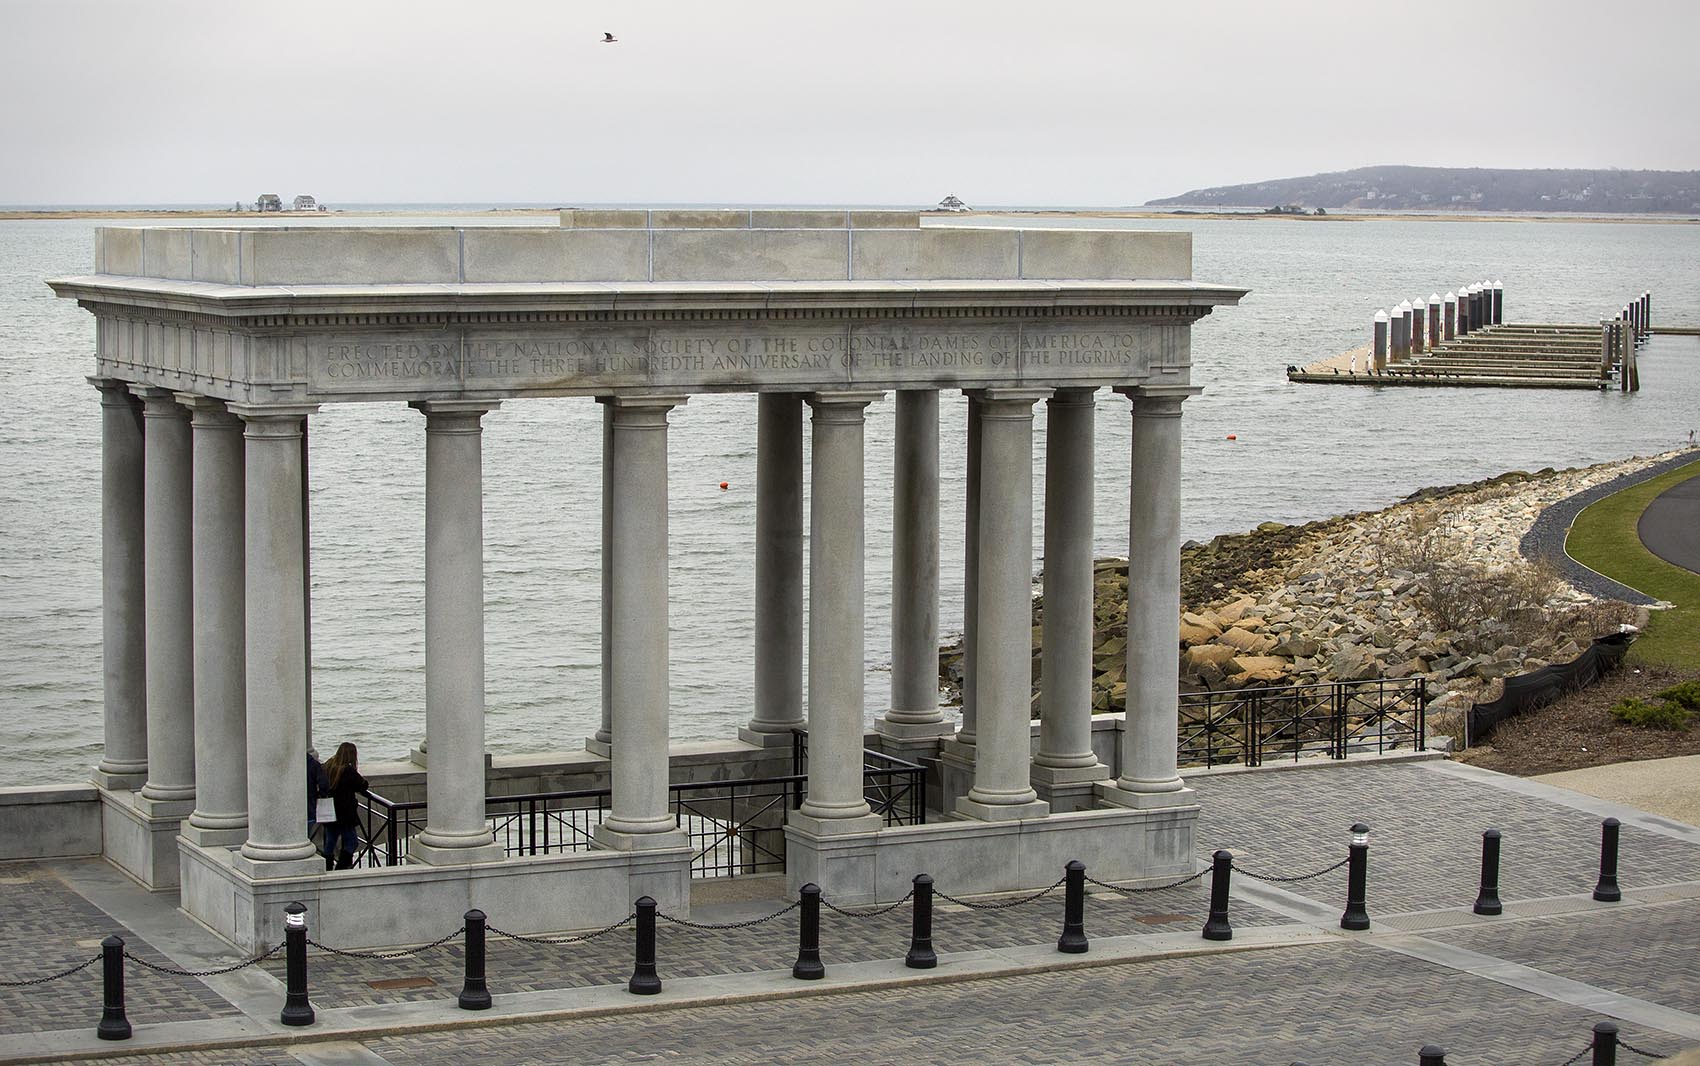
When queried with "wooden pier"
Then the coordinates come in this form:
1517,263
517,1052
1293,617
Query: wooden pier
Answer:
1471,347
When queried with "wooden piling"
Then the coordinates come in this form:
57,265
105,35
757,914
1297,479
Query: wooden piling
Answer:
1419,316
1379,351
1451,315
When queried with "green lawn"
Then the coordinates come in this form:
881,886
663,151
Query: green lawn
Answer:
1603,538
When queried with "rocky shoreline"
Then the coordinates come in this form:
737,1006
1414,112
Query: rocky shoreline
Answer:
1433,586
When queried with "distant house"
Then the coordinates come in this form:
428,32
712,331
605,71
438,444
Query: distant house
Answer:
269,201
951,203
306,203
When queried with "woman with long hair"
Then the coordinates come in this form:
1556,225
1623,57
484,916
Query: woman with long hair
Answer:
342,772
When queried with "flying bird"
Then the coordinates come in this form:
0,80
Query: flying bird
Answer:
608,38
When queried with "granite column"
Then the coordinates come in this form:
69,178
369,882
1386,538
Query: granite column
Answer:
220,817
779,570
636,560
455,830
124,759
914,713
1065,703
1002,787
275,634
1149,777
169,593
835,803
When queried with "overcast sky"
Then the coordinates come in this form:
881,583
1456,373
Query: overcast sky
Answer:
815,102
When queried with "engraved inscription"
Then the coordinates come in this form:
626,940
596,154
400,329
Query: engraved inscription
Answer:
821,354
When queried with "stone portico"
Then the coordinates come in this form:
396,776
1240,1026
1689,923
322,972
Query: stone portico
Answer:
215,347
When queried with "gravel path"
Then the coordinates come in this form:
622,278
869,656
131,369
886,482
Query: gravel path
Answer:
1545,540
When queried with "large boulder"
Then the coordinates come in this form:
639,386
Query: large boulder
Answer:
1246,642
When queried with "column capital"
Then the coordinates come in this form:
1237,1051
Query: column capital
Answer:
641,412
1159,401
454,407
208,413
157,402
114,392
662,401
1074,397
844,398
279,421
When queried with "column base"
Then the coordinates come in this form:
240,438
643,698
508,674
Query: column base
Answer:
600,748
1114,794
164,809
418,756
116,781
762,738
617,840
900,730
220,837
1001,812
267,869
833,827
1069,788
437,855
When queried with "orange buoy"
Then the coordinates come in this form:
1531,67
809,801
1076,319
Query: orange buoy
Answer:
1230,437
724,485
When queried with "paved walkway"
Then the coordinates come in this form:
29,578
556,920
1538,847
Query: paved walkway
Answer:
1670,526
1522,988
1545,539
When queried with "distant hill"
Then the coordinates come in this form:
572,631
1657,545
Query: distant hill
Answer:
1455,189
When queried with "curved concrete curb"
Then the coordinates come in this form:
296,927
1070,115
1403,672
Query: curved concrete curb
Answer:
1545,539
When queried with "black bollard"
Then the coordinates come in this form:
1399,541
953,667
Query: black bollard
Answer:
474,992
1216,927
645,981
1606,890
1357,876
921,956
1605,1044
113,1024
1073,940
808,966
1431,1055
1487,900
296,1009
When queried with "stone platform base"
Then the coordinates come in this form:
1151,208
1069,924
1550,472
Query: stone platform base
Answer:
971,857
141,843
415,904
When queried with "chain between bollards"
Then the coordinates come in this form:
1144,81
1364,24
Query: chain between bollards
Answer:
113,1023
1216,927
808,966
475,990
921,955
1606,890
1356,917
1487,897
296,1009
645,981
1073,940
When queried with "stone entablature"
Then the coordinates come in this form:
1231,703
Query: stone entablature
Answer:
318,315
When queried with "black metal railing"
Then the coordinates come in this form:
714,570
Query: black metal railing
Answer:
1330,719
735,827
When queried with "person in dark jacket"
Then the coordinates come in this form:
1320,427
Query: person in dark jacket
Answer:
342,774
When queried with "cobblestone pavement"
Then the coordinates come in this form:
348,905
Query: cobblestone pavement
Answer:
514,966
1653,953
1425,835
46,928
1347,1003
